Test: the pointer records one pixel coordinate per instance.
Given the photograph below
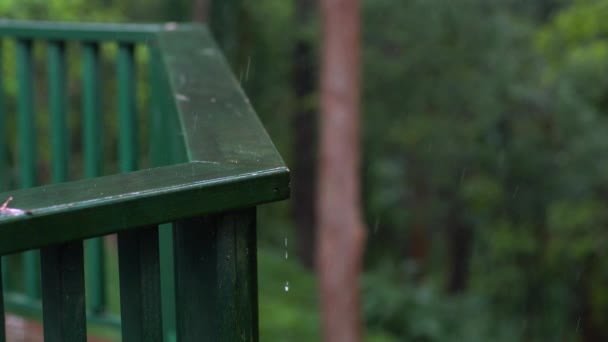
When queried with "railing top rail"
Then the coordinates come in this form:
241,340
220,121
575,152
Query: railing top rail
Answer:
117,32
232,162
217,121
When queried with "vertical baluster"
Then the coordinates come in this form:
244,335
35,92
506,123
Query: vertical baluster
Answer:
158,152
159,155
196,253
126,108
58,101
215,277
93,166
140,302
93,125
27,147
27,133
63,297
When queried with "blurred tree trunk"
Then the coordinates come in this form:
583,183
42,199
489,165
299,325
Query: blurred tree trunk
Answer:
226,22
200,10
418,240
588,325
304,128
341,235
460,247
175,10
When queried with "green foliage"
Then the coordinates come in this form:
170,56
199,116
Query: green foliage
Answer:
66,10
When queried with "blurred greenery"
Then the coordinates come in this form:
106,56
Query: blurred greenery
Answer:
484,141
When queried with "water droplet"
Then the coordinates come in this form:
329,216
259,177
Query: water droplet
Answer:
286,255
286,286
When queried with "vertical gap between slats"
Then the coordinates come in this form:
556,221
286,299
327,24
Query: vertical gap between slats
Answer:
27,148
93,166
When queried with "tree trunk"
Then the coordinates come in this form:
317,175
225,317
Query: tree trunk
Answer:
200,10
341,232
586,324
460,247
304,127
419,242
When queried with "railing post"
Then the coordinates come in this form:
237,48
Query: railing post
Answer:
215,277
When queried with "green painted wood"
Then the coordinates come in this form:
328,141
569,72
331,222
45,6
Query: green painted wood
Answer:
174,148
126,107
158,137
58,104
218,122
92,121
63,299
140,303
25,103
237,294
94,249
167,281
27,149
109,204
4,265
81,31
167,147
200,116
196,277
247,272
216,286
93,166
31,273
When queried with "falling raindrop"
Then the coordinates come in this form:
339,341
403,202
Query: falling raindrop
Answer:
286,256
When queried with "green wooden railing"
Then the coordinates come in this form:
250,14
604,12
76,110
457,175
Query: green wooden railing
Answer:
189,173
